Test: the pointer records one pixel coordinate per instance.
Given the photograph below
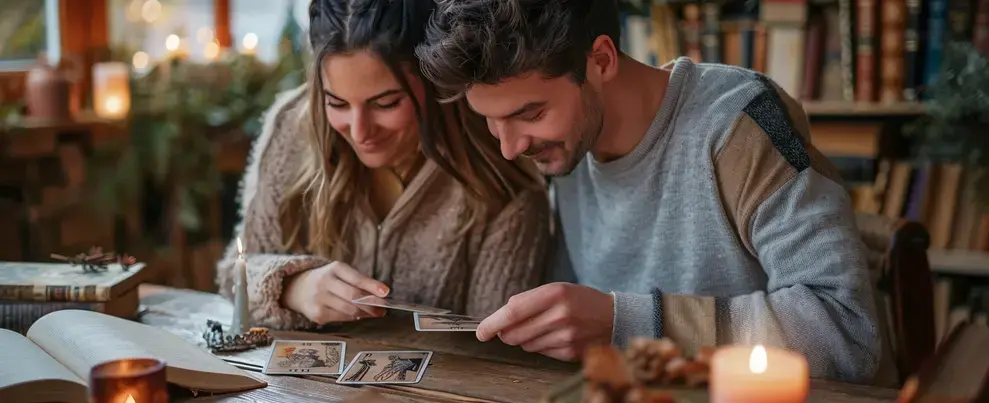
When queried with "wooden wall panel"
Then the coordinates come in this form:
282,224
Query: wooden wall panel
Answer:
85,39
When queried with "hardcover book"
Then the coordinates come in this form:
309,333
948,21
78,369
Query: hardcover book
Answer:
55,357
49,282
30,290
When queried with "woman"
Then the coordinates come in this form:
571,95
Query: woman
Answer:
346,203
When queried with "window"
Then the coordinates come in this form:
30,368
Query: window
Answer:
31,28
146,25
265,19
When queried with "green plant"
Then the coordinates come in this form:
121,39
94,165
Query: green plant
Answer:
955,127
181,114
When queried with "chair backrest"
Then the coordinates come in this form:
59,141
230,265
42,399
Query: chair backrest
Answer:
903,286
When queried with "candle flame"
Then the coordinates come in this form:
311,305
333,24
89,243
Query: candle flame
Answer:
757,360
130,399
240,246
113,104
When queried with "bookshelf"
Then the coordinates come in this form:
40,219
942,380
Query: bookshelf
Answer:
860,69
842,109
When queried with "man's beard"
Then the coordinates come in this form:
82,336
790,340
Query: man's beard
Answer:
589,128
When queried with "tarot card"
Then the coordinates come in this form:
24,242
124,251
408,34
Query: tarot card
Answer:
393,304
386,367
306,357
445,322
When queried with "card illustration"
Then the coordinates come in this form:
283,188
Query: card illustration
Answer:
386,367
437,322
306,357
374,300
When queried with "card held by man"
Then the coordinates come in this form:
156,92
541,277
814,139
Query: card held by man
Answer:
445,322
389,303
306,357
386,367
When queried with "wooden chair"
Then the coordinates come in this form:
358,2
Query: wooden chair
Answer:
901,274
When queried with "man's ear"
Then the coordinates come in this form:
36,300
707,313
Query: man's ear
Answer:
603,59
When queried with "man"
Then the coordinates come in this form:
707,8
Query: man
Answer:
691,202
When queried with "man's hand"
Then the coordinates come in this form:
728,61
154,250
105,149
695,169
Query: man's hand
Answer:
558,320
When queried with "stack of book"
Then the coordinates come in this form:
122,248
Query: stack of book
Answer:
30,290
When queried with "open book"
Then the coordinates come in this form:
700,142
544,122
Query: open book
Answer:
52,363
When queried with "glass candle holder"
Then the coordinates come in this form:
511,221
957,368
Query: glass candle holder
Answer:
111,90
131,380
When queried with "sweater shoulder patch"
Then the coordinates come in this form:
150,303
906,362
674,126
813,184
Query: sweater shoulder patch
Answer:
767,111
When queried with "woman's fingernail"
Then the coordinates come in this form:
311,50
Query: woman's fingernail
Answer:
383,291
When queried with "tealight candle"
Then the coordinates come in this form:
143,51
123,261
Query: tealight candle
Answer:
131,380
742,374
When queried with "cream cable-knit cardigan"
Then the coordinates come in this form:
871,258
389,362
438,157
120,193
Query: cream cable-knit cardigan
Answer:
415,249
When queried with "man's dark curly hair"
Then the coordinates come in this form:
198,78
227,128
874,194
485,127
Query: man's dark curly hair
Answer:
487,41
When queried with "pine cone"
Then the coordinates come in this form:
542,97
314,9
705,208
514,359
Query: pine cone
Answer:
605,365
674,370
696,374
648,357
704,354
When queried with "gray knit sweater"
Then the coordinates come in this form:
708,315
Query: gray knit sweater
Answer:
724,225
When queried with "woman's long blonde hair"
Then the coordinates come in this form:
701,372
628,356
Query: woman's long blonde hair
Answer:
317,209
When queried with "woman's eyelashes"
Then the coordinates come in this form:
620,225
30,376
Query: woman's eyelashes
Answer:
376,104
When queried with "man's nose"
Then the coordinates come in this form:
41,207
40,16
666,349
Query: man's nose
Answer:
512,144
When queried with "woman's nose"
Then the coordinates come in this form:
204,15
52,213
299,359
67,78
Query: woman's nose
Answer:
360,126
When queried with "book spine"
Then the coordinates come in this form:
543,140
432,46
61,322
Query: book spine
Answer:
711,33
813,55
747,33
911,45
845,24
691,31
45,293
865,51
936,19
19,316
980,34
891,51
960,20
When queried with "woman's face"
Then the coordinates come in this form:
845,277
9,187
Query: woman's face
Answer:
366,104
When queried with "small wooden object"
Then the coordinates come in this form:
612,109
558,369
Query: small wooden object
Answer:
132,380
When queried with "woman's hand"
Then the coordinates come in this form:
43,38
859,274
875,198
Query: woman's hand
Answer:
323,295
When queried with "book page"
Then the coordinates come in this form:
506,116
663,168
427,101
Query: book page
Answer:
81,339
24,362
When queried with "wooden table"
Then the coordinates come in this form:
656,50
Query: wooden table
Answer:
462,369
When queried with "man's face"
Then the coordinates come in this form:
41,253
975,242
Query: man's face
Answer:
554,122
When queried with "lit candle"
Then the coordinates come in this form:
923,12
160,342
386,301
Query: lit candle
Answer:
111,90
766,375
131,380
241,319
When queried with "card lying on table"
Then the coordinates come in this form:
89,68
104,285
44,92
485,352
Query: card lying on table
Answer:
445,322
386,367
393,304
306,357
